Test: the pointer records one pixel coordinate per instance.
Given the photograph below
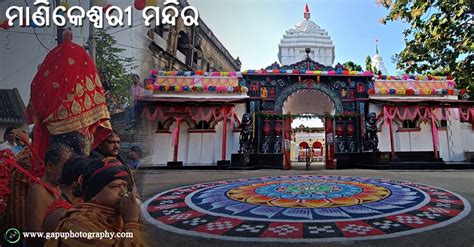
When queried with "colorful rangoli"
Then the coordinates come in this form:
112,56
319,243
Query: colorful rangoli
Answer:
304,209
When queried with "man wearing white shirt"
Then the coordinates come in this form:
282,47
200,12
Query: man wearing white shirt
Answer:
11,141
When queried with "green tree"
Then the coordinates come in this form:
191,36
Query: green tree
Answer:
349,65
440,37
114,68
378,72
368,63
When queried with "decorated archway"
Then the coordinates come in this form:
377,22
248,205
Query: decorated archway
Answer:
269,89
309,86
308,103
318,150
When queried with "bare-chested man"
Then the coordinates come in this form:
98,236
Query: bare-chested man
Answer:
39,198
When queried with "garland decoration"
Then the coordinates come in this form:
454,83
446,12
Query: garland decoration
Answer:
277,116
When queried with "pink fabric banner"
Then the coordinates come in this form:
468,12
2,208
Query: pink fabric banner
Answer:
197,114
157,114
425,113
468,115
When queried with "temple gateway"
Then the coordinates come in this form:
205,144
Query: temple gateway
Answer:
375,121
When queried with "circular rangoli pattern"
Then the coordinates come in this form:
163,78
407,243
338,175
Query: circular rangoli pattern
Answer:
304,209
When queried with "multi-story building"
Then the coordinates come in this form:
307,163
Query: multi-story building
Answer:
11,110
192,48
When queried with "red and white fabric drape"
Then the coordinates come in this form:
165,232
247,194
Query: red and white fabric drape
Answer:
424,113
197,114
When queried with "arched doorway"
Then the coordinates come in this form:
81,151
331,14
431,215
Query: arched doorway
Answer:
318,151
311,99
301,152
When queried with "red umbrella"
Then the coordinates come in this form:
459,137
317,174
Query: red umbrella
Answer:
66,96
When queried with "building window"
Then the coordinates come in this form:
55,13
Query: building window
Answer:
443,124
202,125
183,42
197,58
159,30
409,124
160,126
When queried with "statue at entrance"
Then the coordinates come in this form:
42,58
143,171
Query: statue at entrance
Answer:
245,140
371,141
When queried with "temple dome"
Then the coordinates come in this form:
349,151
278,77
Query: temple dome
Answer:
377,62
306,34
307,26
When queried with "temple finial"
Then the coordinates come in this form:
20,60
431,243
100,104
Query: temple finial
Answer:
307,14
376,46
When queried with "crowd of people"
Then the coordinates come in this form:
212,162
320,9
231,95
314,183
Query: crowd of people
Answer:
77,193
70,177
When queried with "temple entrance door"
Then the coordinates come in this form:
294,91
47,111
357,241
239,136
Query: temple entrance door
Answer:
308,106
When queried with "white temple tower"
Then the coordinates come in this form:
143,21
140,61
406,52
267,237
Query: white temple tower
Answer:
306,34
377,62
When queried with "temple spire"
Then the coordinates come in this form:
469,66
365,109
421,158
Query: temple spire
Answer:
307,14
376,46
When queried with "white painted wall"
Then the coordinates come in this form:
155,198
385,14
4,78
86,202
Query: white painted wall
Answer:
161,149
454,135
240,109
466,138
162,145
207,151
195,148
202,150
183,142
444,145
406,141
218,141
457,139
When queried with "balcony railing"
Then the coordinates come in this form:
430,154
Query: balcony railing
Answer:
160,41
181,57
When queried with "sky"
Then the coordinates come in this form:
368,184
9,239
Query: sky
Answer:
249,29
252,29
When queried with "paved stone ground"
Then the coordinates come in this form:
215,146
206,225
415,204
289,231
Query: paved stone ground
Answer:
457,234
